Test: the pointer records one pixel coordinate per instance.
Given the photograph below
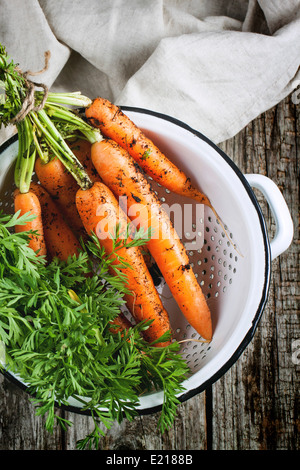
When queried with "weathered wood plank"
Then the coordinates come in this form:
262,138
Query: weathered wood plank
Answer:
142,433
20,428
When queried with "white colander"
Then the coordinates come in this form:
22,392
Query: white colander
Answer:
235,279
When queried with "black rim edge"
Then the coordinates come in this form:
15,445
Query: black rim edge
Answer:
249,335
8,142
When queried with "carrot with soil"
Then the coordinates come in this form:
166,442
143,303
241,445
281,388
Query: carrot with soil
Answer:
121,174
101,215
60,240
115,125
61,185
29,203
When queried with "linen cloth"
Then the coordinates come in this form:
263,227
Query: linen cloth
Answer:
213,64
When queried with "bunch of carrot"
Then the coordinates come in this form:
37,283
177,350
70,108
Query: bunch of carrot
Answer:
115,168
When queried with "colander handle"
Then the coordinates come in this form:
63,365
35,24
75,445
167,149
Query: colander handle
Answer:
280,211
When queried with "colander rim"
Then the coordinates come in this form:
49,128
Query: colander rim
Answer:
267,273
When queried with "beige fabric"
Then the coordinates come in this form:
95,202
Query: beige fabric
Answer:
214,64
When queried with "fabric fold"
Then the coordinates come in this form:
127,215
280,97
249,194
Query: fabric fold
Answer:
213,64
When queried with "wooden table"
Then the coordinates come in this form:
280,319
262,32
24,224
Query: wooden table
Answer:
255,405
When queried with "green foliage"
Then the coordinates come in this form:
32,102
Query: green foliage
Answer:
12,87
55,324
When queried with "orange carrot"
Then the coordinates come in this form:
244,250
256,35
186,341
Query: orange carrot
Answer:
121,174
101,214
120,323
115,125
82,150
29,202
60,239
62,187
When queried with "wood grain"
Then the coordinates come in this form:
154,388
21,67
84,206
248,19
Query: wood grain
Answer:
255,405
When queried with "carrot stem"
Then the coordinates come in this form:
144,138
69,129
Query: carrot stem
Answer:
74,98
61,149
24,166
43,154
92,134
